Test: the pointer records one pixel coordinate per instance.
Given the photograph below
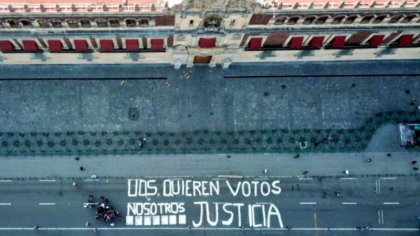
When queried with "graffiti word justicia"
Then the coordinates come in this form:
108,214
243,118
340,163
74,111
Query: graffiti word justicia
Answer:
226,213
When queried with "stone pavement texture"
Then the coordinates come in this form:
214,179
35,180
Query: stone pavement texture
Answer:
249,107
333,164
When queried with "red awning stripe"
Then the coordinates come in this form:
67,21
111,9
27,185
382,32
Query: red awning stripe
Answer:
157,44
316,42
296,42
376,40
207,42
132,44
405,40
30,45
55,45
81,45
338,42
106,45
255,43
6,46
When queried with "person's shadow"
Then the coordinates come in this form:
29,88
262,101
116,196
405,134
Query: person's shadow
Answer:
134,56
87,56
385,51
344,52
40,56
305,53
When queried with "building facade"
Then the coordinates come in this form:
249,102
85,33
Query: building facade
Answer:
213,32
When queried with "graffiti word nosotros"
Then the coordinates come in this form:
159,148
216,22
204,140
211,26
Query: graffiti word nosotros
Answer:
198,188
153,208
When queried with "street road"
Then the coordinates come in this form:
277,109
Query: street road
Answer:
307,205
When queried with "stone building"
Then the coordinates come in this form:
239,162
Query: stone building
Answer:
213,32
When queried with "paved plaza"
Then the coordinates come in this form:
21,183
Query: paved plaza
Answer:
56,109
284,96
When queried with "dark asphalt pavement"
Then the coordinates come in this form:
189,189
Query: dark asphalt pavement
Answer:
389,206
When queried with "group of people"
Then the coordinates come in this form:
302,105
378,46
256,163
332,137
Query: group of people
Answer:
104,211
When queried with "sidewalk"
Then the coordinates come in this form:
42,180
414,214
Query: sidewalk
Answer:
318,164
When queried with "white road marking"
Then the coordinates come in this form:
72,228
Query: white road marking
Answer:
348,178
389,178
47,180
231,176
378,186
307,203
5,204
6,180
349,203
90,180
202,229
391,203
381,217
262,178
305,178
46,203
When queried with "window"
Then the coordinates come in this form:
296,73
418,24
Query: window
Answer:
73,23
350,20
6,46
30,45
255,43
132,44
130,23
405,40
102,23
408,19
114,23
106,45
144,22
296,43
157,45
316,42
338,42
280,20
13,23
376,40
232,22
293,20
366,19
56,23
321,20
212,22
337,20
81,45
379,19
309,20
26,23
207,42
55,45
43,23
395,19
85,23
191,22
